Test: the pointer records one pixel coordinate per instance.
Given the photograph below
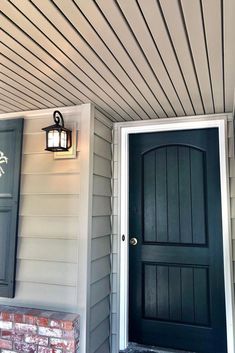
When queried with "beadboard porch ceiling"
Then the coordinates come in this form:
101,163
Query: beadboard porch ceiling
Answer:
135,59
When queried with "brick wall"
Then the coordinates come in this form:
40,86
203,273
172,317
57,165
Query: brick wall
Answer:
25,330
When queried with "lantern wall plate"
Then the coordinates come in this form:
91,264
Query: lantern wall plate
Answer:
72,152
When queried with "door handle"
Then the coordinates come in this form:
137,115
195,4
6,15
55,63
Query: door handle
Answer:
133,241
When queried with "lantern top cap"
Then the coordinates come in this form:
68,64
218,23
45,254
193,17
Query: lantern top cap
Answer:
59,122
58,118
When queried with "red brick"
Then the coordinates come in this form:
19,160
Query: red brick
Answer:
25,328
49,350
68,334
55,323
19,318
7,334
43,321
49,332
40,340
30,319
6,316
67,325
18,337
62,343
25,348
5,344
5,325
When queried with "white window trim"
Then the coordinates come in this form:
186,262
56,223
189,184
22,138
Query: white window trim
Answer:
172,124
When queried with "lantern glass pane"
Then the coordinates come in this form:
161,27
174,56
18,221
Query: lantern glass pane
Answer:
53,138
63,139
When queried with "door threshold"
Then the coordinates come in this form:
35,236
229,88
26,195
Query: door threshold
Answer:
138,348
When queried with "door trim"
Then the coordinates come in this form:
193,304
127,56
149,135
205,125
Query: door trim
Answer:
171,124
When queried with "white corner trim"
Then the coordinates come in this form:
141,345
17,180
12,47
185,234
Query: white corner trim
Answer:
85,211
123,131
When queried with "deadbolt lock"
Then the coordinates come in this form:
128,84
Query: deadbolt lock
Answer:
133,241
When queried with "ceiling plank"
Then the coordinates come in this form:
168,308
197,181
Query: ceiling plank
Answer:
194,24
135,19
27,105
213,28
21,76
153,15
74,72
172,16
89,62
229,54
18,93
18,105
123,46
17,82
22,56
125,71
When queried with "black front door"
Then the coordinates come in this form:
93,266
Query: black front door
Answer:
176,283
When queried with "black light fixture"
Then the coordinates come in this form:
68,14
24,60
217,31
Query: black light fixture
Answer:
58,138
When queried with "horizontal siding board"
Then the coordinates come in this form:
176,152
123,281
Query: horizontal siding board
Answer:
100,290
48,272
36,226
101,186
37,295
101,226
104,348
99,312
68,184
49,205
103,131
48,249
101,206
100,247
99,335
100,268
45,164
102,148
102,166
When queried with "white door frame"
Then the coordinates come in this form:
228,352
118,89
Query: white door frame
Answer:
172,124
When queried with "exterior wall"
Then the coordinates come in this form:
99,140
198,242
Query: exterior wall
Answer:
100,266
115,263
47,256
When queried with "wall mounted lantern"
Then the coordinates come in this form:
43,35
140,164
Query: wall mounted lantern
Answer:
58,138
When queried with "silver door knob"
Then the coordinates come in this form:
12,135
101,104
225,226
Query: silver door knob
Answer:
133,241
